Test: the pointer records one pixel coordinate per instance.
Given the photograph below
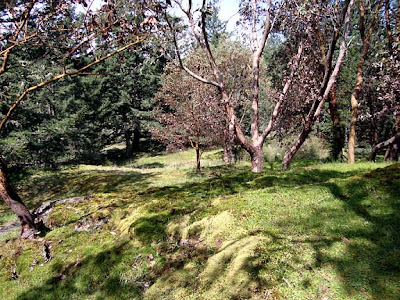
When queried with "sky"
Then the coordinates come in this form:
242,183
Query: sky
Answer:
229,12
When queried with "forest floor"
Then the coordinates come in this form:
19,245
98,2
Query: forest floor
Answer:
155,229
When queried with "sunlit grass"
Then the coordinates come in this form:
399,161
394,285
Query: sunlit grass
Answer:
156,229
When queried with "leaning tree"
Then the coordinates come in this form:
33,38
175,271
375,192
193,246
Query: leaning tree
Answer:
322,81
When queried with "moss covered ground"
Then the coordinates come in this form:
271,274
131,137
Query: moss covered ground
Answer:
155,229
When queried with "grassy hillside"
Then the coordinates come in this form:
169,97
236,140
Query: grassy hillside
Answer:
154,229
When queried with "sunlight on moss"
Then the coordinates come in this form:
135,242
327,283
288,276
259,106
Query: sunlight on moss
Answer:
228,273
318,230
215,229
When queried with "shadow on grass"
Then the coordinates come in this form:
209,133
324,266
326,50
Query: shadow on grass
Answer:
225,181
195,199
375,197
94,276
150,166
152,229
79,183
370,261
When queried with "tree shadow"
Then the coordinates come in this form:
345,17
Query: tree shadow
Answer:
81,183
94,276
194,200
371,257
227,181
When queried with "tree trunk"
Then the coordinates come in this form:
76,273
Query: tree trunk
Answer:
337,128
136,139
226,153
257,160
387,154
352,134
394,155
392,151
327,83
11,198
366,39
128,143
394,141
228,144
289,154
198,155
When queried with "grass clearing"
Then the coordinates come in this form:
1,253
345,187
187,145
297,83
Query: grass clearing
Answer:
155,229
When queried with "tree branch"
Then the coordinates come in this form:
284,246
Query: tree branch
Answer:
178,54
19,28
283,94
392,140
62,75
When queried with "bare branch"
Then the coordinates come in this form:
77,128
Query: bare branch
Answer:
178,54
19,28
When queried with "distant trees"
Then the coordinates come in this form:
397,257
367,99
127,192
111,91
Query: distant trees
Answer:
125,96
282,78
365,35
375,77
47,40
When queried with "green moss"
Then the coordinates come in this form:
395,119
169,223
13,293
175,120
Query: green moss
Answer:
318,230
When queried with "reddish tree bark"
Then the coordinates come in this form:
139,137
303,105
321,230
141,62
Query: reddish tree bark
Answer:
366,40
326,85
11,198
393,141
254,144
337,128
392,151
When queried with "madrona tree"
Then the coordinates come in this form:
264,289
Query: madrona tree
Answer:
368,19
321,82
259,18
